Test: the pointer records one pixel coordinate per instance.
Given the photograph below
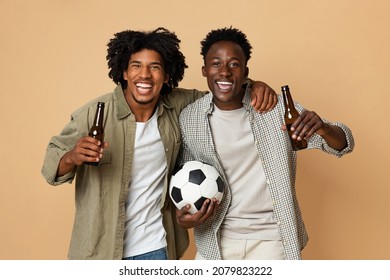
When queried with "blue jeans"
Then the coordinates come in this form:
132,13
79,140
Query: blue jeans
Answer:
160,254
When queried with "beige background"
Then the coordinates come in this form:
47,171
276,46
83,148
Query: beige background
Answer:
333,54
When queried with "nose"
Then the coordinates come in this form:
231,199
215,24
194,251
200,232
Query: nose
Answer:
145,72
225,70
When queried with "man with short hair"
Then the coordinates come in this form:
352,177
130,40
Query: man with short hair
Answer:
259,215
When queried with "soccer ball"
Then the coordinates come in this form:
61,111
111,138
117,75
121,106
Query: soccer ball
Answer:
193,184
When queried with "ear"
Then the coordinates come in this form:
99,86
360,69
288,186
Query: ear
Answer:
246,72
125,75
204,71
166,78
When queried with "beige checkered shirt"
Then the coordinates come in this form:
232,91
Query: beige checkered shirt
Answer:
279,162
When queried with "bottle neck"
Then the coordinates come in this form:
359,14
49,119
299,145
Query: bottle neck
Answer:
288,101
99,115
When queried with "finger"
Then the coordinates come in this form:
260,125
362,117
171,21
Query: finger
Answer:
297,128
266,100
312,127
203,210
89,140
257,96
271,102
183,217
215,209
94,146
211,209
183,211
90,144
191,220
275,101
298,121
254,102
90,158
309,124
298,124
259,102
91,151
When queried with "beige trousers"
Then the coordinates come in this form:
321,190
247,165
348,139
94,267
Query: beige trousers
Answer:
240,249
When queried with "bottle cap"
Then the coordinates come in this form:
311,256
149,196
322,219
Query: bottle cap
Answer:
285,88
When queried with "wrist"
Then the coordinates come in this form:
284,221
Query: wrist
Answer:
247,83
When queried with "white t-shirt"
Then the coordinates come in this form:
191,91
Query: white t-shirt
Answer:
144,231
250,215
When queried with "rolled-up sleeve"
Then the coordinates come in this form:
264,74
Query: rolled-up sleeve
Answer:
57,147
317,142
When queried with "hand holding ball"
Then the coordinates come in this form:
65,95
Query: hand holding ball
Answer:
193,184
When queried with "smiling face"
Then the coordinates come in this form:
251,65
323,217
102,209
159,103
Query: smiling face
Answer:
225,70
145,77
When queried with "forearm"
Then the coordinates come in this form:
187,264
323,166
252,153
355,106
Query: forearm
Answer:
65,165
334,136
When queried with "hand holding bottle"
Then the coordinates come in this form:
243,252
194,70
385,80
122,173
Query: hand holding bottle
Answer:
86,149
305,125
301,127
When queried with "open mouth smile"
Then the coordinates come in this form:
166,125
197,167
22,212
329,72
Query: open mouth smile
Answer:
143,87
224,85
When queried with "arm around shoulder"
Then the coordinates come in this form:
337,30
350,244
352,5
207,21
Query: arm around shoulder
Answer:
186,96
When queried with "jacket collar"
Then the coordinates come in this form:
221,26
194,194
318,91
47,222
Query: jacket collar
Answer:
122,108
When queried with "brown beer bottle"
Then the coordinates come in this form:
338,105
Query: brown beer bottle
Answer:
290,115
97,130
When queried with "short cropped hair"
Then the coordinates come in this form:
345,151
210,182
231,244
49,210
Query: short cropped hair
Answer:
226,34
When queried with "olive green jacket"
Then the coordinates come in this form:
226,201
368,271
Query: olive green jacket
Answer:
101,191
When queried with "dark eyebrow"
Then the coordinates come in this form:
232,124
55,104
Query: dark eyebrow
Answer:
218,57
153,63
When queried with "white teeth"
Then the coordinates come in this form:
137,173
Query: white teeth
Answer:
144,85
224,83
